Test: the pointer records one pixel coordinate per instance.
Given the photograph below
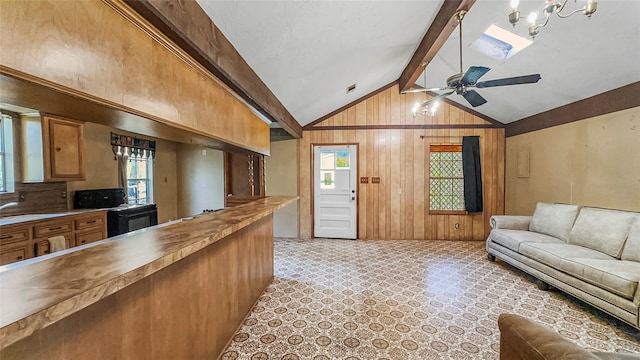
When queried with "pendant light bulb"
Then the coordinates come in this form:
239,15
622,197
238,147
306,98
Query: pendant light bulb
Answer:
532,18
415,108
514,4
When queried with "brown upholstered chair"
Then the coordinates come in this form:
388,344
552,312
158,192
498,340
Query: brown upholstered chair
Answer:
523,339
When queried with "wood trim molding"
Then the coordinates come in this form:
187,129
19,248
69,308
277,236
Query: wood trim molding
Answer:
189,27
403,127
622,98
441,28
311,125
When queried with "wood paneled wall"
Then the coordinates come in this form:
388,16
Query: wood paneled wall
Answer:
398,207
106,53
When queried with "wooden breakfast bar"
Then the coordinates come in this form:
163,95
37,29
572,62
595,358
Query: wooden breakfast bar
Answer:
175,291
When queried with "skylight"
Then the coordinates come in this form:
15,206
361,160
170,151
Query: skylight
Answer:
499,43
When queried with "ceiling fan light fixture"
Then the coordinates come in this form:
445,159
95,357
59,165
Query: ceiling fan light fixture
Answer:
434,108
463,83
415,109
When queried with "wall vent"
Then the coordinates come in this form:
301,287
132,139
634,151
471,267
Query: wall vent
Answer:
351,88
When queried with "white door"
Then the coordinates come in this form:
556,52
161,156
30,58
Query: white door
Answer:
334,189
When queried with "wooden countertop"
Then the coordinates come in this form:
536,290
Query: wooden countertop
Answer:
38,292
18,219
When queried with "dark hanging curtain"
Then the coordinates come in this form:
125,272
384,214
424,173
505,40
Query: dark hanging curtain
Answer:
472,173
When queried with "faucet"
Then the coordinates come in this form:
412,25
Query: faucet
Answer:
8,205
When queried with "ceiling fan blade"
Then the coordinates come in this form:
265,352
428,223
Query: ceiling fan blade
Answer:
473,74
526,79
426,103
474,98
424,90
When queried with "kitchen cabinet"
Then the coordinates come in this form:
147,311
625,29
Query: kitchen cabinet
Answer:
89,228
42,246
52,149
15,252
51,228
89,237
31,238
43,230
15,244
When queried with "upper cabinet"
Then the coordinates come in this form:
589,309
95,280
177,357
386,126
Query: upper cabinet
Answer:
52,149
62,145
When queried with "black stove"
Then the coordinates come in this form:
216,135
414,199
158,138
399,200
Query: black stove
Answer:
121,218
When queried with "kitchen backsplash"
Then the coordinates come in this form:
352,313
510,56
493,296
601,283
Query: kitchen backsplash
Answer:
35,198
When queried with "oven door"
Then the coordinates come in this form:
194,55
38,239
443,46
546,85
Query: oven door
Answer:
124,221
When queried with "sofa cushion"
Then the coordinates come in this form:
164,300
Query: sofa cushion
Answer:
553,254
602,230
631,249
617,276
512,239
594,267
554,219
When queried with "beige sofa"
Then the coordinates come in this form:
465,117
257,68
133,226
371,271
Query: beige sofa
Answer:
590,253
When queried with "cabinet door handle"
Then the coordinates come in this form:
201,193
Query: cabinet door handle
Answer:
58,148
19,258
5,237
55,228
91,222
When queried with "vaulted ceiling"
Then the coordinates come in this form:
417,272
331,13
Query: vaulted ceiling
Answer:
308,52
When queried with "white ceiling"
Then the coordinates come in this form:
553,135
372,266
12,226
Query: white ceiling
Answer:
308,52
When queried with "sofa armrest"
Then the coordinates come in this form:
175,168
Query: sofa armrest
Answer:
521,338
511,222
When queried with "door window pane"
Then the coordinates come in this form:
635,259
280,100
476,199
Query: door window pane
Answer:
327,180
327,160
342,159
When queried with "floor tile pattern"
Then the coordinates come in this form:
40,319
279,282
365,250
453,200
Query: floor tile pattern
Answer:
345,299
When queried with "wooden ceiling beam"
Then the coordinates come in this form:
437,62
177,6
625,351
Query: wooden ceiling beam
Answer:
186,24
441,28
622,98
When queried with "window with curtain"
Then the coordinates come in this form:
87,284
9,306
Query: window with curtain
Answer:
140,180
446,181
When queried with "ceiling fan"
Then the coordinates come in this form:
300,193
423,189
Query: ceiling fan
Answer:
462,82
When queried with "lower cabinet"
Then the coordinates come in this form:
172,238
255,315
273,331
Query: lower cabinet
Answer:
42,245
28,239
87,237
15,243
11,253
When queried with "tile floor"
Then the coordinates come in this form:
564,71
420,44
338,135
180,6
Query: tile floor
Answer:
345,299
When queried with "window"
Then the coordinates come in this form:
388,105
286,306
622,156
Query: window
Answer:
446,182
330,161
140,180
6,153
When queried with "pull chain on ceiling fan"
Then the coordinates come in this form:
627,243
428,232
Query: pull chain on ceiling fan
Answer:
461,82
